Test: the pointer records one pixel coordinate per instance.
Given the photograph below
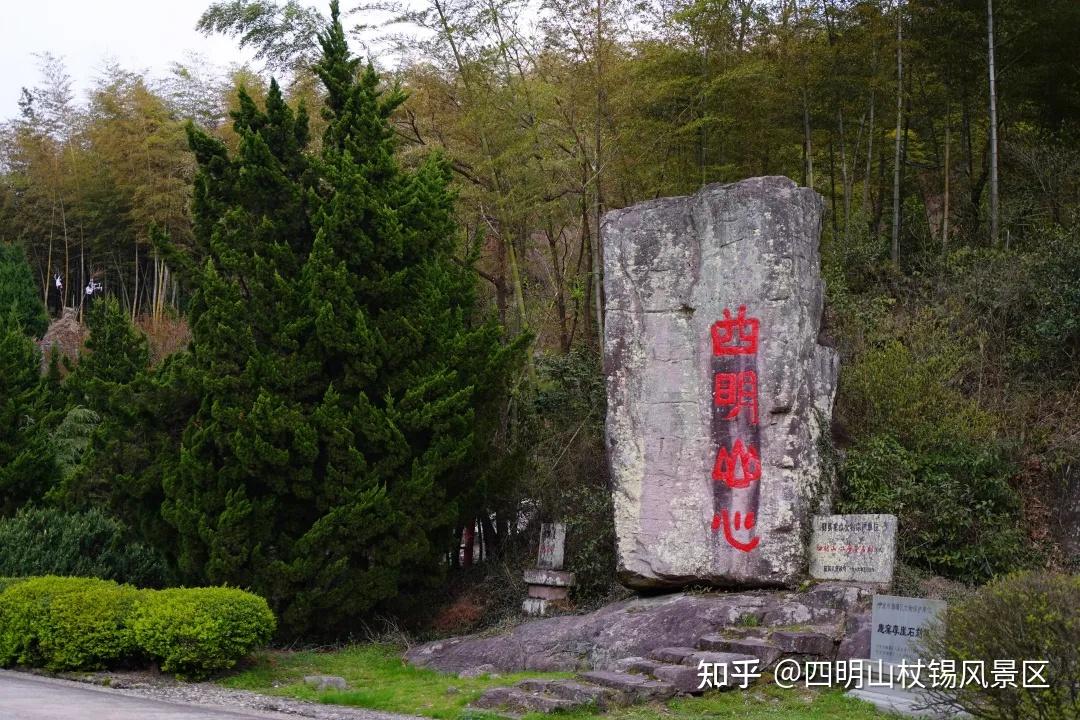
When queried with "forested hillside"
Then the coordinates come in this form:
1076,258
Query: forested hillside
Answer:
217,212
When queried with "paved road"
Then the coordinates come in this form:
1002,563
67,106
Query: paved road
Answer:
27,697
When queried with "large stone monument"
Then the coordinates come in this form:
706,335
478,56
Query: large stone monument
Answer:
718,390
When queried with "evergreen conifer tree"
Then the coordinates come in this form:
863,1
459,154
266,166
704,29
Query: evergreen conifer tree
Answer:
26,463
337,359
133,414
17,291
115,353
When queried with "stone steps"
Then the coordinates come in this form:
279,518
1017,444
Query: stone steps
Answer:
770,645
805,642
630,687
684,678
678,666
576,692
670,671
762,649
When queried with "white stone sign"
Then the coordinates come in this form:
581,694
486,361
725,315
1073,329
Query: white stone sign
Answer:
898,625
855,548
552,546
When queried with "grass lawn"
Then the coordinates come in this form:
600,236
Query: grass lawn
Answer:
382,681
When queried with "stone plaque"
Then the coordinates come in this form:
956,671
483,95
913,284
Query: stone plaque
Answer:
855,548
898,624
552,546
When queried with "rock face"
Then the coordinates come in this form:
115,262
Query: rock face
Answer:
65,334
718,390
645,627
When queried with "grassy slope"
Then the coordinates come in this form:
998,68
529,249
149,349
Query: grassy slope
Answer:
381,681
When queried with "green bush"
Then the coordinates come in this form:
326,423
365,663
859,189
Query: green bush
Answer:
69,623
50,541
200,631
65,622
6,582
1029,616
913,390
90,629
958,514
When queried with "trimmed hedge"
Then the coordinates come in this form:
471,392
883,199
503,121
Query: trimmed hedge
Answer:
6,582
203,631
27,631
90,629
69,623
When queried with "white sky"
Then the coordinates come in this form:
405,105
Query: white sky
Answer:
139,34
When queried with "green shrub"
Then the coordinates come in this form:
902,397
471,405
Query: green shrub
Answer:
50,541
1029,616
65,622
90,629
6,582
200,631
912,389
958,514
69,623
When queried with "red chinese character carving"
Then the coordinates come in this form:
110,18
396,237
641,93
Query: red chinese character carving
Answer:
737,391
723,520
739,467
738,336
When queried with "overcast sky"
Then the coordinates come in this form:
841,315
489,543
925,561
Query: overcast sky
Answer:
140,34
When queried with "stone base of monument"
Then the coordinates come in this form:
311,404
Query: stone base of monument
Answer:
884,690
546,588
649,648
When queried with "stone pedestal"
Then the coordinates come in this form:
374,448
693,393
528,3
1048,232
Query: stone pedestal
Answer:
548,582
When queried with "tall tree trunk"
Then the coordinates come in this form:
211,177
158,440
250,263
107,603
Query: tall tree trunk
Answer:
869,160
560,294
899,130
945,203
703,133
832,187
587,242
993,124
67,246
878,224
48,275
135,292
844,172
597,250
808,147
468,544
490,535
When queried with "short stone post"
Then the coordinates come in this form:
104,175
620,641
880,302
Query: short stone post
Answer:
548,581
